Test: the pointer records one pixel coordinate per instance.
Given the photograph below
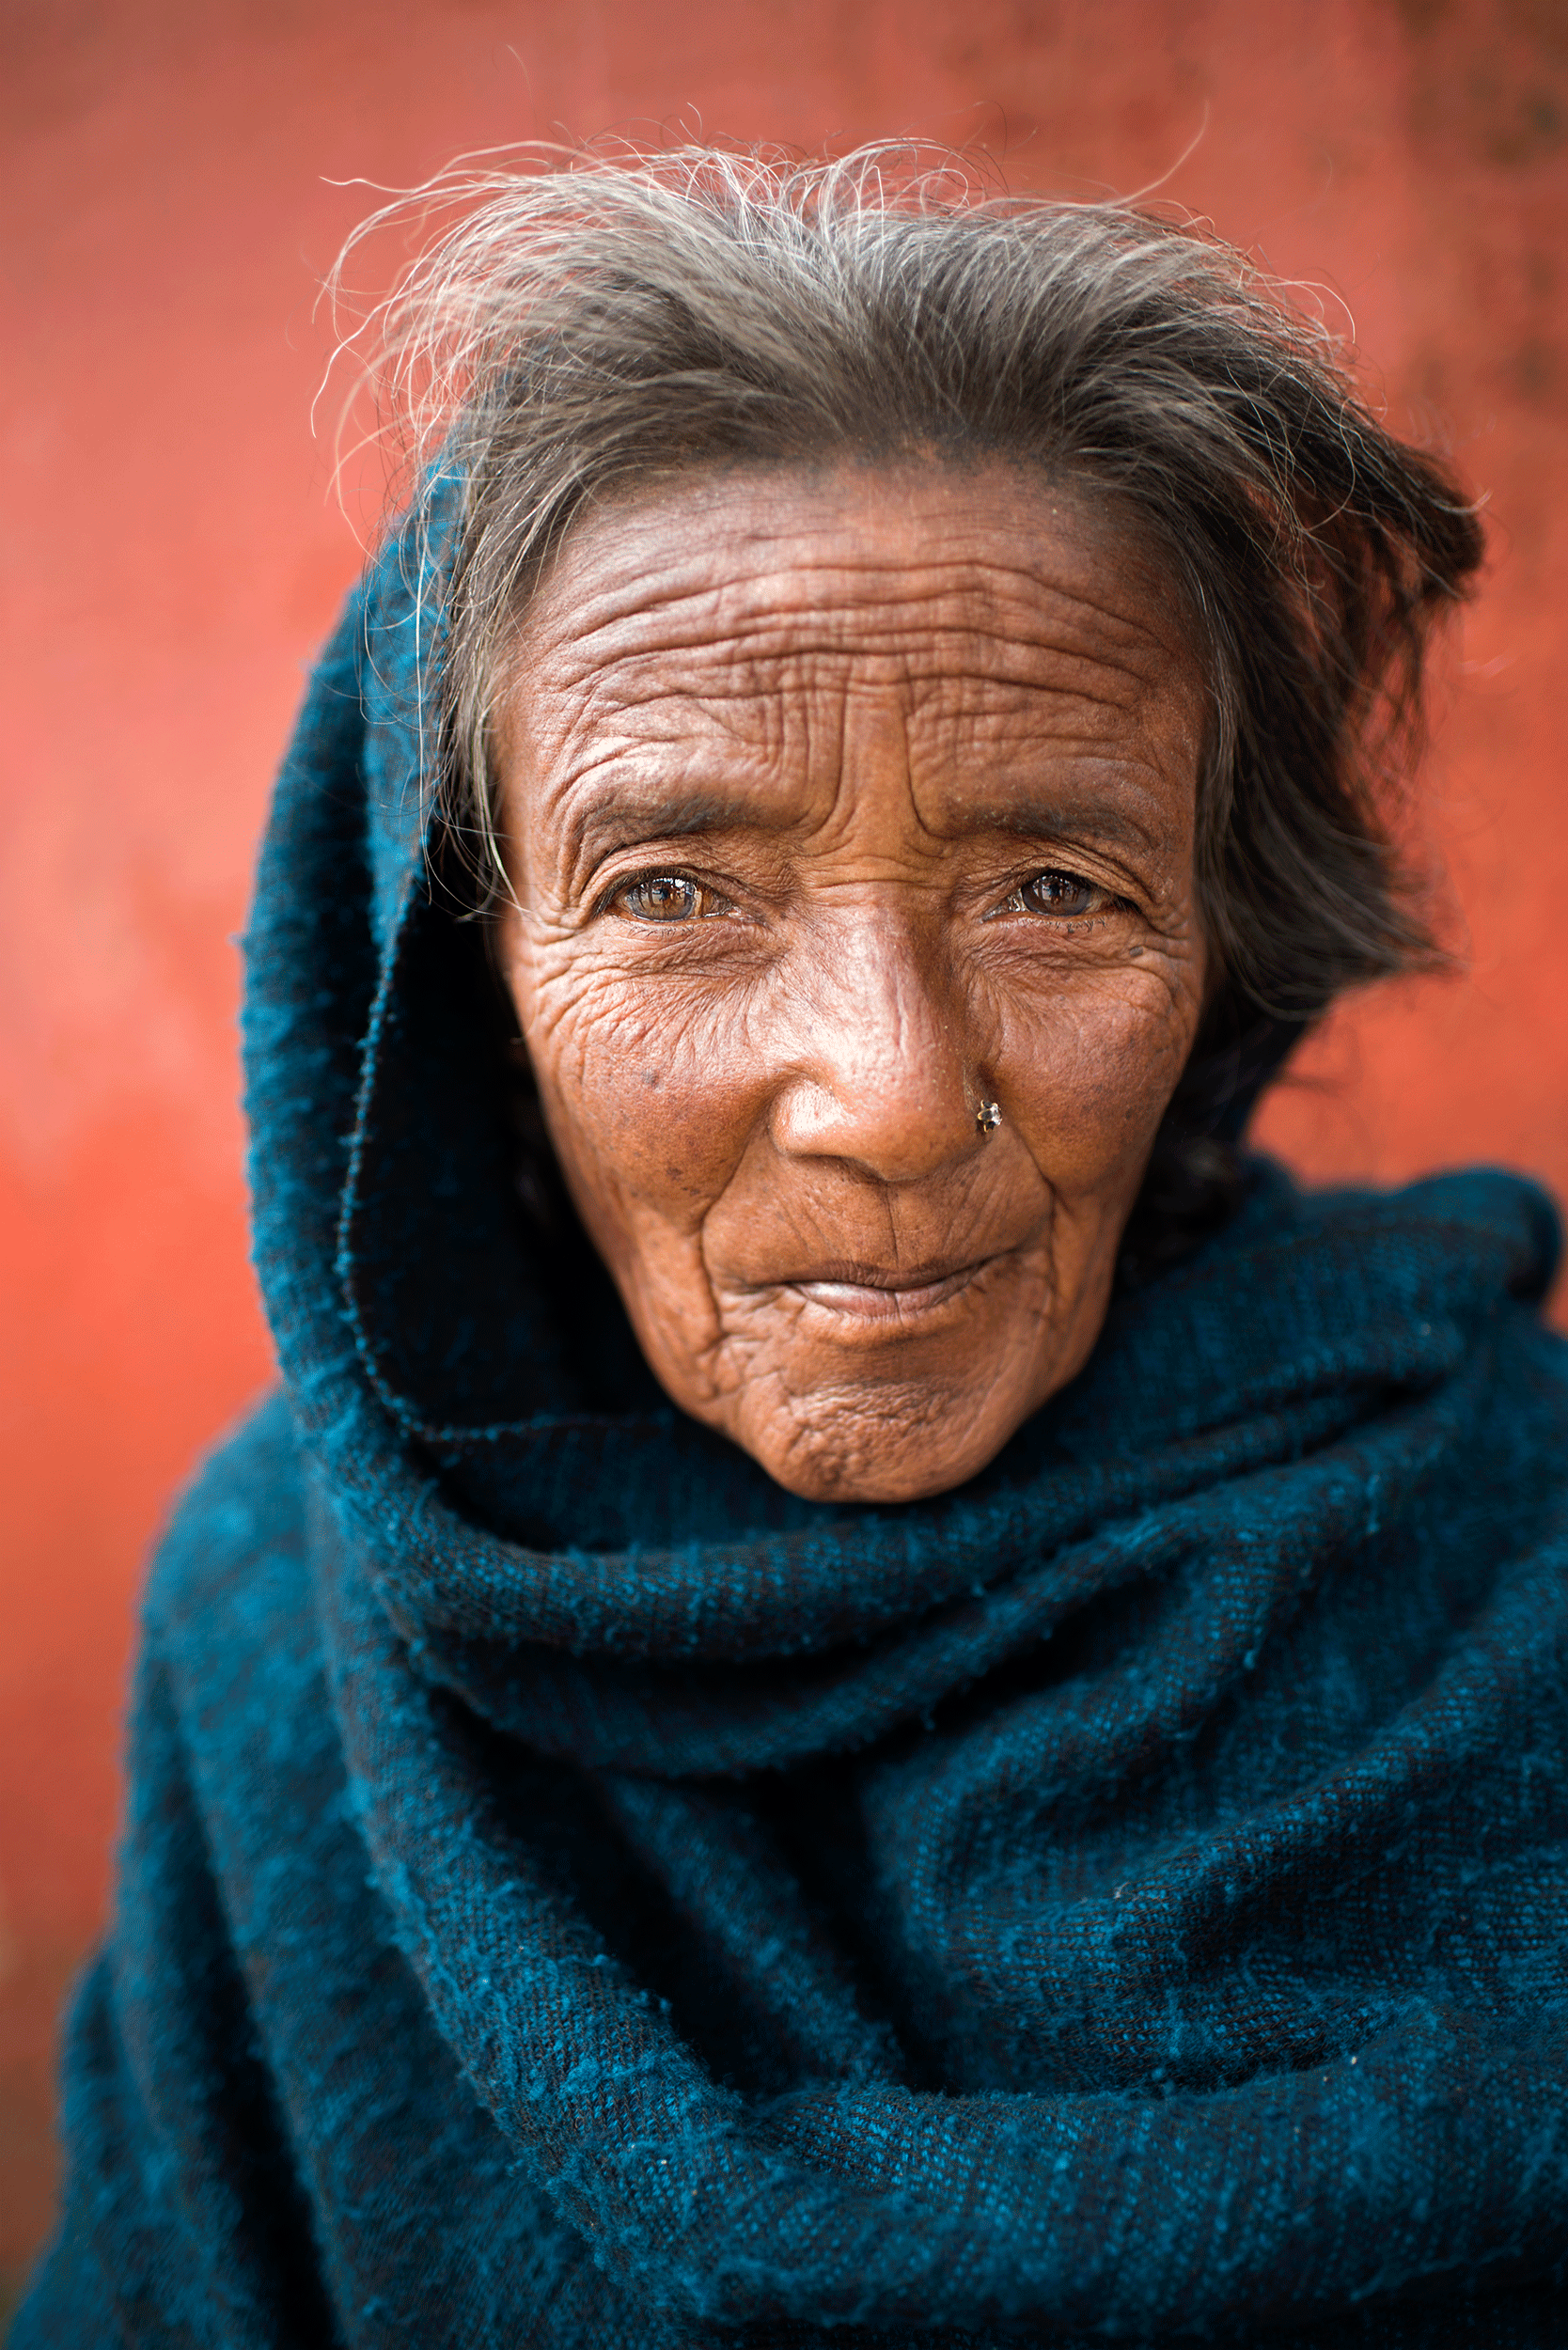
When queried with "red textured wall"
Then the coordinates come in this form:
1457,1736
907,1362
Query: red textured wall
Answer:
171,554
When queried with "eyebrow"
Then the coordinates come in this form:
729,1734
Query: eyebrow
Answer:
606,823
1040,819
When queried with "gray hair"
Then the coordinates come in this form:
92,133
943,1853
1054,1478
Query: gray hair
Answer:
585,331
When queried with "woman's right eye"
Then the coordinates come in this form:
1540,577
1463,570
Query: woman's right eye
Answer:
664,898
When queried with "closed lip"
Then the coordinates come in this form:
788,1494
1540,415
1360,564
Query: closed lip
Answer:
880,1292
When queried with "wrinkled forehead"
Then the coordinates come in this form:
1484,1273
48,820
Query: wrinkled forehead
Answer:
910,569
981,613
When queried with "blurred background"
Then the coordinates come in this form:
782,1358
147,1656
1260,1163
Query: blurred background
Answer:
176,179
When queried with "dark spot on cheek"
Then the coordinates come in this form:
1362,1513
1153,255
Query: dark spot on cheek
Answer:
653,1078
1133,952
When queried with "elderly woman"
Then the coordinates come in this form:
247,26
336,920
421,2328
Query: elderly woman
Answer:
864,1686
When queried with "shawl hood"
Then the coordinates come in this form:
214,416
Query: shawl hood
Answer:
576,1892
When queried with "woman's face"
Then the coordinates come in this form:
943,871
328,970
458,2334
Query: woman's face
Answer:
836,805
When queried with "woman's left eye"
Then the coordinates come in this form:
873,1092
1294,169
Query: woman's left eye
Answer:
1064,895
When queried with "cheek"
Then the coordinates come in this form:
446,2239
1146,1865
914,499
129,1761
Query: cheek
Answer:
1093,1070
645,1088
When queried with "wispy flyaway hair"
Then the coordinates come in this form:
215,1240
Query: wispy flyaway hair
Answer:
585,331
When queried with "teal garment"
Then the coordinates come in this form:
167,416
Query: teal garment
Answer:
575,1894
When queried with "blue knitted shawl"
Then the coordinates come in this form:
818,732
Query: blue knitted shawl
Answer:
576,1894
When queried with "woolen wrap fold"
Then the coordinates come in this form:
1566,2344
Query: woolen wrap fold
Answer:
576,1895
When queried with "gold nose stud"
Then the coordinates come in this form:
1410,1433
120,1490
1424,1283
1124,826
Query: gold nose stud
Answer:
988,1117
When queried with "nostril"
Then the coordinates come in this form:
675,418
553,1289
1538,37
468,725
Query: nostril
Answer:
898,1126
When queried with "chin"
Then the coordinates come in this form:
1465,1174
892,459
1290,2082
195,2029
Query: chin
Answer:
849,1452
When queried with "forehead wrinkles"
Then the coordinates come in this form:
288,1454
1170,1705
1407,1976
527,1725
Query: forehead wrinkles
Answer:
815,623
795,726
691,632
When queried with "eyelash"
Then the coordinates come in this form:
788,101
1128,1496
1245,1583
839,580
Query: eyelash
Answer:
1016,902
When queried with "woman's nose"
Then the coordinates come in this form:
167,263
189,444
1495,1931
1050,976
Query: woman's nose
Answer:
879,1072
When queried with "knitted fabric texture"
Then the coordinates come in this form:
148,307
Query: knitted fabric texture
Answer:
576,1894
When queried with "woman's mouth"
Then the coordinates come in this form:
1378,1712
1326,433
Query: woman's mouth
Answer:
882,1293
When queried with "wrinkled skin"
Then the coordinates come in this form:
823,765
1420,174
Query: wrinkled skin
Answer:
834,805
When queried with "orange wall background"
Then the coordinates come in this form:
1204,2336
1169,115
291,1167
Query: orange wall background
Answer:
171,553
